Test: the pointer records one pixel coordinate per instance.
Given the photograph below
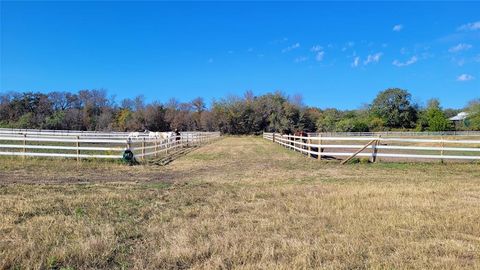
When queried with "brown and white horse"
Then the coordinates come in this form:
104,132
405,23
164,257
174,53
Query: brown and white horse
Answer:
303,139
298,133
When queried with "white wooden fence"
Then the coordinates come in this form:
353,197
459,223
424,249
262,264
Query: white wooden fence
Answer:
101,145
147,147
398,134
69,133
451,148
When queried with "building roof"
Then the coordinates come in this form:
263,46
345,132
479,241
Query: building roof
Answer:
459,117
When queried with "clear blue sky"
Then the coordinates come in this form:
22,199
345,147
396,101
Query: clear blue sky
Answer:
334,54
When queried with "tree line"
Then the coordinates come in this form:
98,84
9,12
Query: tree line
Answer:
392,109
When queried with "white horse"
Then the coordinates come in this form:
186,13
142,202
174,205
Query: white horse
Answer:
153,135
166,135
135,134
160,135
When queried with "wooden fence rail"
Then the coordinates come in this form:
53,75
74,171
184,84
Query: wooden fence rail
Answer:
48,144
379,147
399,133
45,132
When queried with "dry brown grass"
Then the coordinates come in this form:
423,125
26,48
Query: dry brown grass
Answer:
240,203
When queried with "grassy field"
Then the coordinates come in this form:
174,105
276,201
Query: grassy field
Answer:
242,203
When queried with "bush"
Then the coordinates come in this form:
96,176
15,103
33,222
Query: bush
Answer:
352,125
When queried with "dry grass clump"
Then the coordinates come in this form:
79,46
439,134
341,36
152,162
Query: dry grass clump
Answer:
245,203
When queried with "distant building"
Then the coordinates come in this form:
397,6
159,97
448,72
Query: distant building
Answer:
459,119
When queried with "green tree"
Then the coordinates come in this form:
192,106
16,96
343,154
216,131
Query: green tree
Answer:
473,120
56,120
328,120
376,123
395,108
290,118
25,121
433,118
436,119
351,125
308,118
124,116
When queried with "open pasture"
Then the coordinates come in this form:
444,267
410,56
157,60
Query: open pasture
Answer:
241,202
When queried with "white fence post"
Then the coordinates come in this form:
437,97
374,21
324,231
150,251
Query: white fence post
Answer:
24,145
78,148
309,147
